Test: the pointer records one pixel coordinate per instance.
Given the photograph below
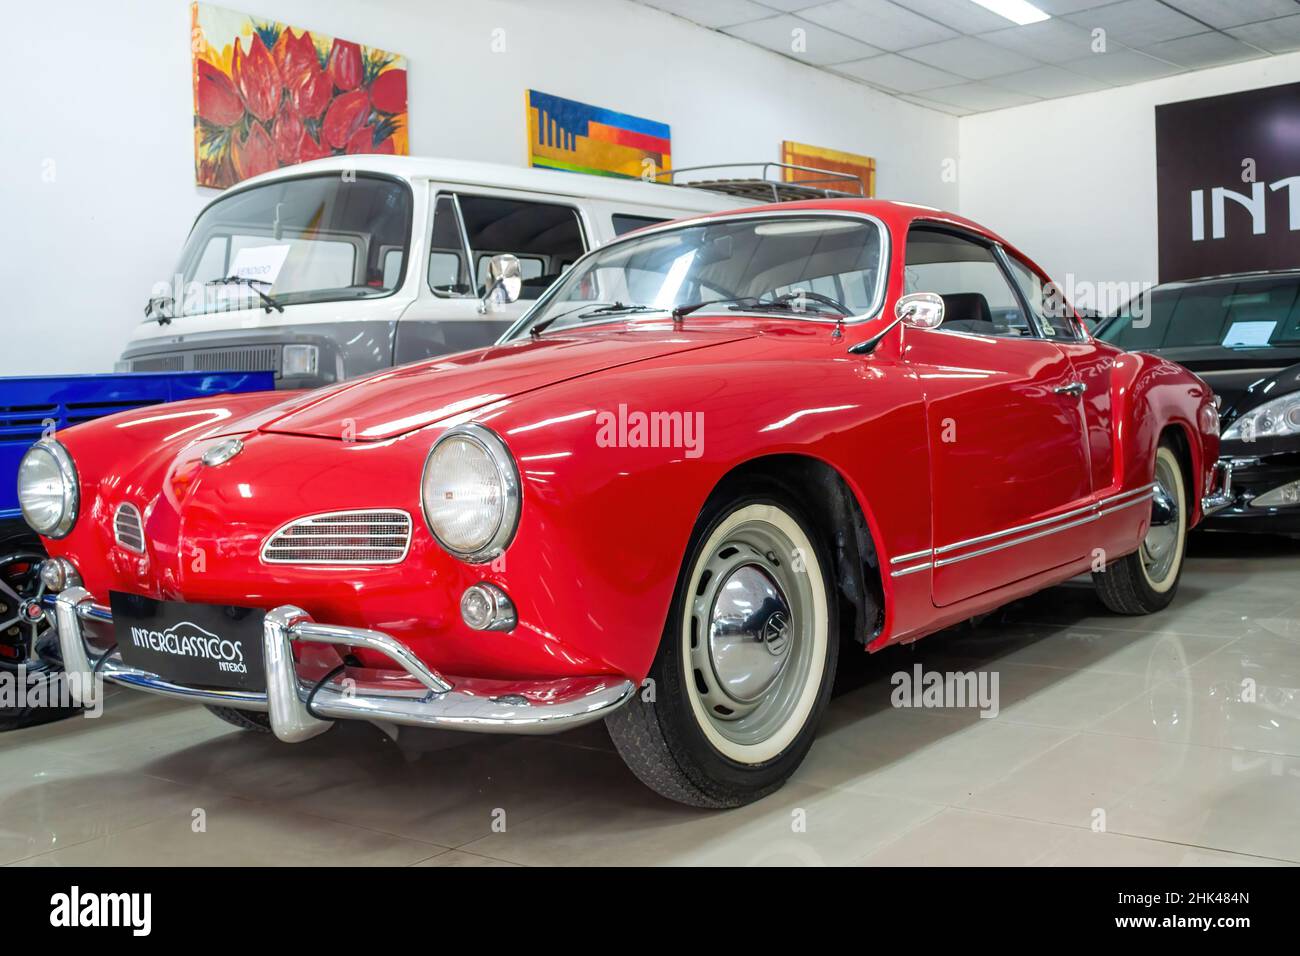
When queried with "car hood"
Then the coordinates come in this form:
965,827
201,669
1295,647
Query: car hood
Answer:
1265,387
1231,372
402,399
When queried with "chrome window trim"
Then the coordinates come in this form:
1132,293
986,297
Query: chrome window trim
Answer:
511,486
1096,510
270,538
133,513
878,293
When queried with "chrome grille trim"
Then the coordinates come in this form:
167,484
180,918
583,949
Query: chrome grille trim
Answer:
368,536
128,529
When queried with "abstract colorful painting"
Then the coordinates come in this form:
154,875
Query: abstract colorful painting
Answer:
268,95
833,160
581,138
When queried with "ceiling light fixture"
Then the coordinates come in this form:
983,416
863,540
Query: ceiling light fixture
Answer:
1020,12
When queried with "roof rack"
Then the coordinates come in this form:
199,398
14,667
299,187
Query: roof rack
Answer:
763,188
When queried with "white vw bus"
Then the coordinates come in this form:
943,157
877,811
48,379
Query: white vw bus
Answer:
337,267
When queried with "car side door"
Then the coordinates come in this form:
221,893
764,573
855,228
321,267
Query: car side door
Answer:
1093,364
1009,457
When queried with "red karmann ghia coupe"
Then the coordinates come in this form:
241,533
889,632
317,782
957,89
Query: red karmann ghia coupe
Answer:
713,454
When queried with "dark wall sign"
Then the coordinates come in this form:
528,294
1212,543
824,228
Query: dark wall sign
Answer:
1228,183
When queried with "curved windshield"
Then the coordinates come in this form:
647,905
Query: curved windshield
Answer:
823,267
313,239
1244,313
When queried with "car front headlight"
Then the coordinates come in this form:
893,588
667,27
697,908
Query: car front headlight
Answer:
469,493
1274,419
47,489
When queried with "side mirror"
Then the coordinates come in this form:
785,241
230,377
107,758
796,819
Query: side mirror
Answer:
921,310
504,281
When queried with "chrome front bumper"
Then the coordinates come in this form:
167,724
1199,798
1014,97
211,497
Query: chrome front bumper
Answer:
1220,491
439,704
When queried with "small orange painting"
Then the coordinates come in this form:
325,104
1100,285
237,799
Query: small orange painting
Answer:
862,168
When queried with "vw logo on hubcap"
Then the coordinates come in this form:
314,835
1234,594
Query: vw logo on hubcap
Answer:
776,633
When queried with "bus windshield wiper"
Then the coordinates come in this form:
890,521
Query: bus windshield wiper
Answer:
268,303
156,305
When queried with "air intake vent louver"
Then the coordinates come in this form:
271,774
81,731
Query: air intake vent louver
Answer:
128,529
342,537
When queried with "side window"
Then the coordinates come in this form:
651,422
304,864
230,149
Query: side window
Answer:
545,236
1053,312
448,270
976,294
625,222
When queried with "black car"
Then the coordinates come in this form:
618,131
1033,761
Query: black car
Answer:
1241,333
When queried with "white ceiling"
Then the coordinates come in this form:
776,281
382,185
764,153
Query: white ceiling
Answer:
958,57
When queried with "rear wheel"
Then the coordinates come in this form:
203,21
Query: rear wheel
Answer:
1146,581
253,720
745,666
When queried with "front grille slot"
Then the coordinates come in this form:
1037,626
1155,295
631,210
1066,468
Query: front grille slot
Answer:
159,363
342,537
255,359
244,358
128,529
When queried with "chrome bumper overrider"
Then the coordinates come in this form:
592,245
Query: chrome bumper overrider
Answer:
1220,490
285,699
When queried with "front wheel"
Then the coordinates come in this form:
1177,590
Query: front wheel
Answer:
745,666
1145,582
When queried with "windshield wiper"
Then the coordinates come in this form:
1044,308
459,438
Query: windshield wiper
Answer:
684,310
156,304
268,303
790,302
612,309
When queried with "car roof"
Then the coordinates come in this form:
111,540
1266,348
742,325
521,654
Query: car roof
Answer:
548,181
1229,277
896,214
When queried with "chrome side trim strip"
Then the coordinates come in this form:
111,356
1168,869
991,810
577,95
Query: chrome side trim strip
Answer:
1126,504
1063,516
1015,541
903,558
1050,526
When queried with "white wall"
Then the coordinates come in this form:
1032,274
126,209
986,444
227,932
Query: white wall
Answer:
1072,181
107,110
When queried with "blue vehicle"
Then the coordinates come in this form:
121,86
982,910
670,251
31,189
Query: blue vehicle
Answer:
29,409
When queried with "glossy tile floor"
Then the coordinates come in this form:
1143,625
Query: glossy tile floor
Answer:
1171,739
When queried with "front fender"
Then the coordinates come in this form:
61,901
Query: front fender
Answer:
609,504
1151,394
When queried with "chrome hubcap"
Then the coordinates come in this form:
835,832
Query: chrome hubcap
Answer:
749,633
1160,547
750,639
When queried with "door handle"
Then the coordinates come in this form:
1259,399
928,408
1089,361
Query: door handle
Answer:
1074,388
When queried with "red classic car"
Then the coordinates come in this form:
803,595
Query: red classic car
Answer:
714,455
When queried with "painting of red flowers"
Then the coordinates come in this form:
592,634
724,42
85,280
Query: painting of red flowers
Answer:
268,95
